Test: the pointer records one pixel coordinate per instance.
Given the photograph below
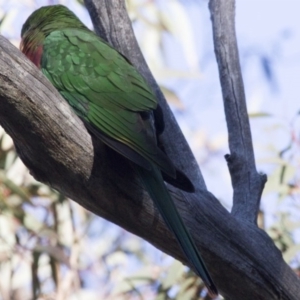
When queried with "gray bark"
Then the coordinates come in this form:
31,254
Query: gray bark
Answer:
247,183
58,151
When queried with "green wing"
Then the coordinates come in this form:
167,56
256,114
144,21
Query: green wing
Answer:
107,92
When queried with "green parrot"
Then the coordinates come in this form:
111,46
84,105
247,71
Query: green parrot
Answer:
115,104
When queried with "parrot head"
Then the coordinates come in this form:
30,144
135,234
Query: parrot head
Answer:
50,18
41,23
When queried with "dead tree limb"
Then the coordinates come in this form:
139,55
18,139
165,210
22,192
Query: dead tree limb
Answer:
247,183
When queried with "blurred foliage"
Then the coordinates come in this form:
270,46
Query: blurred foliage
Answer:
284,183
156,20
51,243
51,248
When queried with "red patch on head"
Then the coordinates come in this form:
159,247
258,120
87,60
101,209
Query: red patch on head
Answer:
33,52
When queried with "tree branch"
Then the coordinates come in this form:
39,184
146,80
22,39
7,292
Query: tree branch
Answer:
58,151
247,183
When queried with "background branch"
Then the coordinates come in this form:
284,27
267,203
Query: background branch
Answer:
247,183
58,151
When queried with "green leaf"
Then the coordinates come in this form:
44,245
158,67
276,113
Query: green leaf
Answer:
186,284
172,98
14,188
259,115
55,252
174,273
188,294
291,252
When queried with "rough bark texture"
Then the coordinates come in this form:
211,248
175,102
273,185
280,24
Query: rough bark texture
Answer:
57,149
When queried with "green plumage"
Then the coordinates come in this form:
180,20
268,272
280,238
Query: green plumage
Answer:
105,91
114,102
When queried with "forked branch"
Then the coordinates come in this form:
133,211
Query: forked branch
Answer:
247,183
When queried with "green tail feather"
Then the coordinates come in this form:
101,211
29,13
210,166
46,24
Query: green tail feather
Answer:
157,190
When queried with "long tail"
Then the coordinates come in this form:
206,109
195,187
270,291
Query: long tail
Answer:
157,190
